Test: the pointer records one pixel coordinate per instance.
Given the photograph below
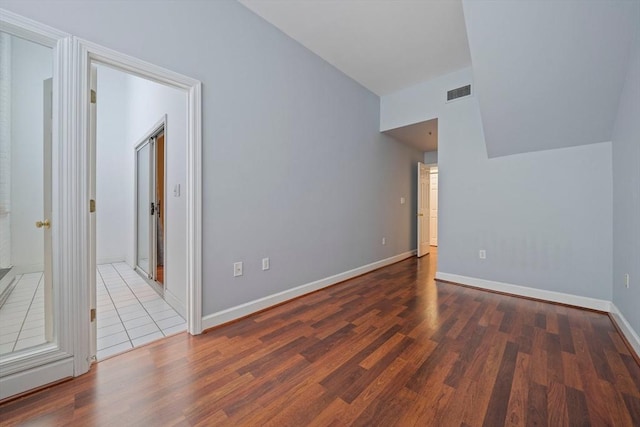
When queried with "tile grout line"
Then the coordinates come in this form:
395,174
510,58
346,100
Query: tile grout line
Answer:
115,308
141,303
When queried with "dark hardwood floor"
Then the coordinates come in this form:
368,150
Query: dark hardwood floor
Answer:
392,347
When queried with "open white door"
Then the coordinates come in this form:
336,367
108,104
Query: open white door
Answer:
423,209
93,336
433,208
48,208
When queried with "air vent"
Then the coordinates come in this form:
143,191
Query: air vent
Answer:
458,92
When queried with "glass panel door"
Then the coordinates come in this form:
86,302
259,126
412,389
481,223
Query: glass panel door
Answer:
144,205
26,291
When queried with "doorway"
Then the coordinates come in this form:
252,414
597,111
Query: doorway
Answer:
140,291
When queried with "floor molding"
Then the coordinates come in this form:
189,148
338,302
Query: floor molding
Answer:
558,297
524,291
254,306
623,325
21,382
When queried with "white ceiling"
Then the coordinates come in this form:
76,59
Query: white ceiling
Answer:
422,135
385,45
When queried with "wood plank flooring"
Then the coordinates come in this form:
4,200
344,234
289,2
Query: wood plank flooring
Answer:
391,348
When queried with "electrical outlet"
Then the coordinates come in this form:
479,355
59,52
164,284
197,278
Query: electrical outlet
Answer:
384,240
626,280
265,263
482,254
237,269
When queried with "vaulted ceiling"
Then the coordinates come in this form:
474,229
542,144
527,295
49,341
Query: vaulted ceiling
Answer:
546,74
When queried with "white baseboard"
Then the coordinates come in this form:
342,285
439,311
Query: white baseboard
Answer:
36,377
559,297
250,307
175,303
626,329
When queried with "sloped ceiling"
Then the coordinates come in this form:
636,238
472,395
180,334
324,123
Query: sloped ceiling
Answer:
385,45
549,74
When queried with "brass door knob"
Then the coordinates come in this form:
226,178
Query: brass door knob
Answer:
45,224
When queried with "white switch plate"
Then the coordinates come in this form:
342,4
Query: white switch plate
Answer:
402,200
237,269
176,190
482,254
626,280
384,240
265,263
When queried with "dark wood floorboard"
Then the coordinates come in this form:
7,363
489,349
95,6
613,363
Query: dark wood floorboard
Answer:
390,348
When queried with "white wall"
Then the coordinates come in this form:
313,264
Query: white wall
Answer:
626,197
114,169
148,102
543,218
31,64
294,165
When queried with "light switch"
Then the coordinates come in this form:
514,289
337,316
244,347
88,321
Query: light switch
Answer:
176,190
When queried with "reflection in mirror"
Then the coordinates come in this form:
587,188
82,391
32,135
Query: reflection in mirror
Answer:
26,316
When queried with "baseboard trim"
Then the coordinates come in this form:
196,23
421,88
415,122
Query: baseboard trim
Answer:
254,306
175,302
24,381
524,291
625,328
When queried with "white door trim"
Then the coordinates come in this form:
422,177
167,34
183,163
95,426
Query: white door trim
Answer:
85,53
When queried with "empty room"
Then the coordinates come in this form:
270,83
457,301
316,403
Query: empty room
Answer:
375,213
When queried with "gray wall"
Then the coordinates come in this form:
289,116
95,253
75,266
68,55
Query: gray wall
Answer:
543,218
431,157
626,197
294,165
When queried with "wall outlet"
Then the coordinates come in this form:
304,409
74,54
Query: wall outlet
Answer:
626,280
237,269
265,263
384,240
482,254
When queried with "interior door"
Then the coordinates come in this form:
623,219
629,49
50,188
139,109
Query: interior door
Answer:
35,348
47,204
423,209
93,339
433,208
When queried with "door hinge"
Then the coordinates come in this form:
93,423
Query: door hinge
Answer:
92,206
93,314
93,96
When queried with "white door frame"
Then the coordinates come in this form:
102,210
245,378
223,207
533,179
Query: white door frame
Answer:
86,53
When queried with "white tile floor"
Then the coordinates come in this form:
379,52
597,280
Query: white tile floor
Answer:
129,312
22,315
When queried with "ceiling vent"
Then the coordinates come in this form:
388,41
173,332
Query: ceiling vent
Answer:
458,93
